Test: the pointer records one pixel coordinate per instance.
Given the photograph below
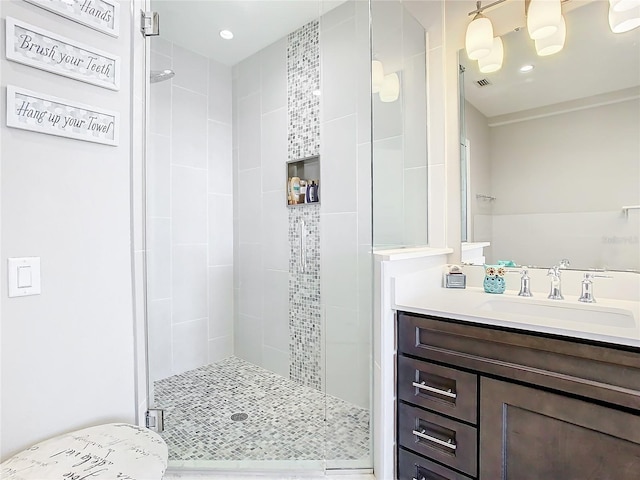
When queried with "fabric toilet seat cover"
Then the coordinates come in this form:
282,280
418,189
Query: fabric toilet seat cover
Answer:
113,451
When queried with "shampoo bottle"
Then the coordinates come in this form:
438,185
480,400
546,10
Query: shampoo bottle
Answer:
295,190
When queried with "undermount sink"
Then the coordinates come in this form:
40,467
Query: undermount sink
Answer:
556,309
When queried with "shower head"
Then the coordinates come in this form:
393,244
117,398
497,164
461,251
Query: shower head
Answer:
160,75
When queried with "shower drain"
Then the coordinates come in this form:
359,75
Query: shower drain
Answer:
239,417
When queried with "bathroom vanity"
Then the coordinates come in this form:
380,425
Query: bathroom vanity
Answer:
491,402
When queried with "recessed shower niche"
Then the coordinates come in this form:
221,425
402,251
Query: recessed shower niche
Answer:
303,181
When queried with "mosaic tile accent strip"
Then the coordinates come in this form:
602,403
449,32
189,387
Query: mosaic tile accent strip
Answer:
305,328
303,78
305,342
286,420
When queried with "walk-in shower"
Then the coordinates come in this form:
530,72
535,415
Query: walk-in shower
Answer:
259,311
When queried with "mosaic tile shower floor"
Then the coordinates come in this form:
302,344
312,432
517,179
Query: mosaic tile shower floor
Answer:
285,420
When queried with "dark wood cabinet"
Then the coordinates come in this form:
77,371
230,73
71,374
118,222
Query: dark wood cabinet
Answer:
496,404
530,434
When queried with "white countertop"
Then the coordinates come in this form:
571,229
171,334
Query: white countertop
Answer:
610,321
410,252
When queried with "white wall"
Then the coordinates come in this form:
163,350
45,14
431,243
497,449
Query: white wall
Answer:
189,212
68,354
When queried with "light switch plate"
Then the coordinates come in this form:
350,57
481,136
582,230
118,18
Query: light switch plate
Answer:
19,270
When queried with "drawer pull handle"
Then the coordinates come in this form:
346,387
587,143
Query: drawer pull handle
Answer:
448,444
446,393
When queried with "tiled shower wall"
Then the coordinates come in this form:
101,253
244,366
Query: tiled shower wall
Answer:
400,145
261,249
345,195
265,266
189,213
303,132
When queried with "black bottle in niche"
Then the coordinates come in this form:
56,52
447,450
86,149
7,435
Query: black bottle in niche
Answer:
312,192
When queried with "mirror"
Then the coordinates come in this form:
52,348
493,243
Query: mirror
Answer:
550,159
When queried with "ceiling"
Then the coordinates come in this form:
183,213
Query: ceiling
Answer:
594,61
195,24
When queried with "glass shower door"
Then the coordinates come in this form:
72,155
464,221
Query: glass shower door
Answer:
258,361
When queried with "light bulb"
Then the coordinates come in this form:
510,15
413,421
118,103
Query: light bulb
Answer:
554,43
543,18
390,90
377,76
492,62
479,37
624,21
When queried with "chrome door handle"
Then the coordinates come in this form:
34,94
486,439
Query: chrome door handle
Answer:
448,444
423,386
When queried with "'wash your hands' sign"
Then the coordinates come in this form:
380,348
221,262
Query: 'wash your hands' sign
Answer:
48,51
42,113
102,15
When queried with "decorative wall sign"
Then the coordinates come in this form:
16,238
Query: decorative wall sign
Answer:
48,51
42,113
102,15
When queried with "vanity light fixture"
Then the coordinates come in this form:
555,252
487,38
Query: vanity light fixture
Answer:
226,34
479,37
553,43
622,5
492,62
620,20
543,17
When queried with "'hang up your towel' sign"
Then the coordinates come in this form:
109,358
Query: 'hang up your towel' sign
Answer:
42,113
48,51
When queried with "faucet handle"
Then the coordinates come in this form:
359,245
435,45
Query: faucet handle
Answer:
525,283
554,271
590,276
587,287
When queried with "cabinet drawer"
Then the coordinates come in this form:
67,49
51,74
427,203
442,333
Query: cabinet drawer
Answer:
447,441
415,467
445,390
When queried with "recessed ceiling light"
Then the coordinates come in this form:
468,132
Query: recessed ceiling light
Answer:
226,34
526,68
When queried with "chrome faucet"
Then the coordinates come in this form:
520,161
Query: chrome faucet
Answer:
555,293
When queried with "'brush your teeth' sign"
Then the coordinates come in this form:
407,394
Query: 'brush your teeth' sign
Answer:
102,15
48,51
42,113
